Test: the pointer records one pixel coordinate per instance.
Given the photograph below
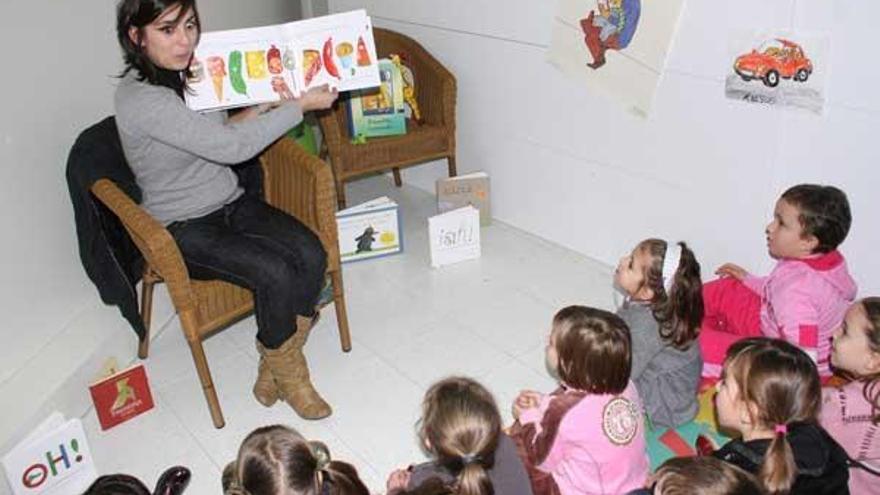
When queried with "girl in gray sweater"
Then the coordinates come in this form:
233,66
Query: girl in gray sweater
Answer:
182,162
663,309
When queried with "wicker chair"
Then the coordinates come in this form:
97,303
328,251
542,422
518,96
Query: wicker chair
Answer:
294,181
433,139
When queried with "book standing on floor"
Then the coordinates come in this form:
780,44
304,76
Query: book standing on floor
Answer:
454,236
121,396
54,459
369,230
471,189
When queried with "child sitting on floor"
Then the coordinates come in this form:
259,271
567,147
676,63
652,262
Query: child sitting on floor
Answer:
769,393
461,429
804,297
851,413
588,436
700,476
277,460
663,310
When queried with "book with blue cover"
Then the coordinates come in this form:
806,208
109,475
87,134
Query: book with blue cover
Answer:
378,111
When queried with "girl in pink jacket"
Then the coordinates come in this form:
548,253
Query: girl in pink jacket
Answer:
805,296
586,437
851,413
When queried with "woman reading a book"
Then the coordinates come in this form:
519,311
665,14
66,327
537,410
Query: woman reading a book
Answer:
182,161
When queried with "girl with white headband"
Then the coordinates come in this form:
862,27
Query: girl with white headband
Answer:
663,309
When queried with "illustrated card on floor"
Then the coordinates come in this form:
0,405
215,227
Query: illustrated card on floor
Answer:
54,459
454,236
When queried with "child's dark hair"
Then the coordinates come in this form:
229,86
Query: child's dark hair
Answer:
780,384
461,424
680,311
138,14
275,460
872,382
117,484
824,213
594,348
703,476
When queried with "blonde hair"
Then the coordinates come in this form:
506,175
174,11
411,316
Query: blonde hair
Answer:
780,384
275,460
461,424
704,476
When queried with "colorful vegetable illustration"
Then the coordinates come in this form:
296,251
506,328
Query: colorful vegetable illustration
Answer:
273,57
217,70
256,64
329,64
289,60
235,77
196,71
345,53
311,64
280,86
363,59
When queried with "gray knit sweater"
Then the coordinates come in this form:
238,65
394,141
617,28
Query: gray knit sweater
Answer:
667,378
181,158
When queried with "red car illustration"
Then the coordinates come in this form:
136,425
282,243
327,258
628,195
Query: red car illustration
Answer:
772,60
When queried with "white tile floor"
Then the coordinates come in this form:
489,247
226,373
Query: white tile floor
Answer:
411,325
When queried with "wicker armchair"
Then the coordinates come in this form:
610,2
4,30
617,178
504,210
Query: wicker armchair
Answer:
433,139
294,181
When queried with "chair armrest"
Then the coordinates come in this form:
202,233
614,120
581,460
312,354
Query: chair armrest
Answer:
301,185
151,238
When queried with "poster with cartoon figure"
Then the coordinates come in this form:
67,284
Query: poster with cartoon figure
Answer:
618,47
780,68
258,65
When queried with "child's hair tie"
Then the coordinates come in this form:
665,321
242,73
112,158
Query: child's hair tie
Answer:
470,459
780,429
670,264
321,454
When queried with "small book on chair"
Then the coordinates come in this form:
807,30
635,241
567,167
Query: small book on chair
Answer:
471,189
121,396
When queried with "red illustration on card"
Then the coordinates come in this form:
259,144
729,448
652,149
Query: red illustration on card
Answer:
121,396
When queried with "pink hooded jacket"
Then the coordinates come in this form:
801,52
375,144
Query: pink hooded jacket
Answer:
803,300
847,416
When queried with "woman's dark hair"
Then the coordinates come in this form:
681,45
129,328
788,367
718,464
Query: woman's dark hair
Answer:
462,425
679,312
780,384
594,348
138,14
276,459
824,213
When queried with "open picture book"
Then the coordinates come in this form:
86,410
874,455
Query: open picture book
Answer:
250,66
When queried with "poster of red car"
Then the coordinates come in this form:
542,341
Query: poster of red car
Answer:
778,69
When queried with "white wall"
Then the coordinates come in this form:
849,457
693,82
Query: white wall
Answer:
577,169
60,59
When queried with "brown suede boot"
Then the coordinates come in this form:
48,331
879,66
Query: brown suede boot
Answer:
288,367
265,389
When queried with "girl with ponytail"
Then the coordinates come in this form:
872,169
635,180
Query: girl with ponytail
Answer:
461,430
770,394
277,460
663,310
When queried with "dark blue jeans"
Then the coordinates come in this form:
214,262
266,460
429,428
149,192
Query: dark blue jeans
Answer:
254,245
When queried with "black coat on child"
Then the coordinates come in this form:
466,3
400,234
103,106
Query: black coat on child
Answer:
822,467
